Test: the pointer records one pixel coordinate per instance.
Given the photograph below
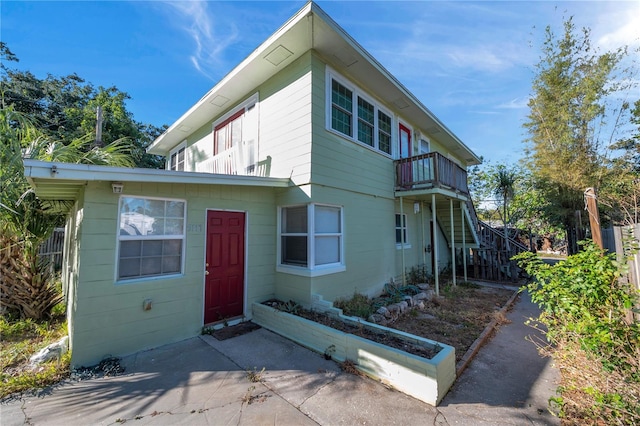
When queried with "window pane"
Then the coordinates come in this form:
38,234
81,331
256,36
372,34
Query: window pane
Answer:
175,209
151,265
294,251
398,220
170,264
384,132
130,248
155,226
340,121
173,226
342,108
327,219
151,248
327,250
398,236
294,220
341,96
172,247
129,268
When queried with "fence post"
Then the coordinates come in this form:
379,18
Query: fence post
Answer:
594,217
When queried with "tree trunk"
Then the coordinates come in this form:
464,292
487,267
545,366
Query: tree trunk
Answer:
26,282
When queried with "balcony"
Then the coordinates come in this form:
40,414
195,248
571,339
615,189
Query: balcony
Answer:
427,171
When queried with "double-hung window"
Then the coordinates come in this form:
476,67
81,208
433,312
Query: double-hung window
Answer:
355,116
178,157
311,239
151,237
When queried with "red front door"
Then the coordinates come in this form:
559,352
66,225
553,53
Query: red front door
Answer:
224,268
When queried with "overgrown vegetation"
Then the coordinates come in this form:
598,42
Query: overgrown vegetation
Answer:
586,310
22,338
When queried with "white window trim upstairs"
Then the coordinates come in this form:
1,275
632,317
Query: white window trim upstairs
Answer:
358,93
175,150
312,270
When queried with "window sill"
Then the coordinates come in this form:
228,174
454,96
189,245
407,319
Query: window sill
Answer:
147,279
304,272
402,246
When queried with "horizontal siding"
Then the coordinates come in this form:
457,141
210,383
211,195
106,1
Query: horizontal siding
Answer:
285,121
108,318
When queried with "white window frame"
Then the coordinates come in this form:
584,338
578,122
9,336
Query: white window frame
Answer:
356,92
311,270
121,238
404,231
181,146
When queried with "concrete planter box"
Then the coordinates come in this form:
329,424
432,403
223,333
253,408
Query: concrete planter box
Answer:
425,379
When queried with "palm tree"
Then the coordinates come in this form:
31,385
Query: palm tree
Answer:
505,180
26,282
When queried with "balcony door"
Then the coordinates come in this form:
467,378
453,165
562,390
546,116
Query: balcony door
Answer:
404,139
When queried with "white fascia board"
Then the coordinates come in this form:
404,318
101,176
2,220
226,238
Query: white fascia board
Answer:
35,169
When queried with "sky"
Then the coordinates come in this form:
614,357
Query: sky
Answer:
470,62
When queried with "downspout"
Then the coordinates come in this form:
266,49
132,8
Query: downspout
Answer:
453,243
402,238
464,241
435,244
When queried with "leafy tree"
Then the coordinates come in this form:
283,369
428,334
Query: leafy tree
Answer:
570,113
64,109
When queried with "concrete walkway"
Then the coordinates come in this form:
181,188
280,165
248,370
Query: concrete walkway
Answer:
203,381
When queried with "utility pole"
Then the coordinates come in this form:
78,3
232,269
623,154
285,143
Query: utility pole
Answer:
591,205
98,142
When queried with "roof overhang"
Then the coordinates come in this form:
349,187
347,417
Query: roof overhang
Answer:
63,181
310,28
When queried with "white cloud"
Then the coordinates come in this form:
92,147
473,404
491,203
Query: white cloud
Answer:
516,103
209,38
621,27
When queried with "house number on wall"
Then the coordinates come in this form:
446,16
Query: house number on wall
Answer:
194,227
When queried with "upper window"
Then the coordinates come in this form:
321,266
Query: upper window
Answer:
358,118
151,237
177,157
311,238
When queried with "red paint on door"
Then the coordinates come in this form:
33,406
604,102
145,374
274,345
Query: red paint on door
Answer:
224,268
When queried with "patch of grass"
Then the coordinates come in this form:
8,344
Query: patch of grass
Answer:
255,376
358,305
20,340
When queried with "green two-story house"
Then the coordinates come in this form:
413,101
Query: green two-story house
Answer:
308,173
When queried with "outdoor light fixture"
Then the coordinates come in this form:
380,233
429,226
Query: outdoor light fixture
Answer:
416,207
117,187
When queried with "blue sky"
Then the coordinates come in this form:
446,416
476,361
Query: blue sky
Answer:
471,63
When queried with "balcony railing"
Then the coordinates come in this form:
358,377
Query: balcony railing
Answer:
430,170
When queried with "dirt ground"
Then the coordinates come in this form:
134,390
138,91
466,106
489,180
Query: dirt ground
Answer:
456,318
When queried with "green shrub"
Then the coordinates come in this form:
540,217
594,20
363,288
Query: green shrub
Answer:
585,306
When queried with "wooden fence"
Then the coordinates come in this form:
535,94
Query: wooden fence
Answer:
620,240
